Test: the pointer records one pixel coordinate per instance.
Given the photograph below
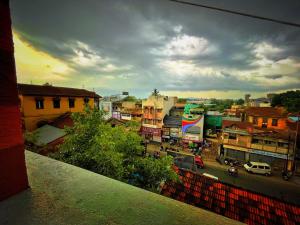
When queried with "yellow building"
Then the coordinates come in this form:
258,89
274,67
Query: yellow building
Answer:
43,103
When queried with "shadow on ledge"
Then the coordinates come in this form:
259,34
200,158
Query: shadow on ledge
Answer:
64,194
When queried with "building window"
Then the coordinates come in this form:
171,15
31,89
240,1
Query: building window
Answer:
39,103
283,144
270,143
232,136
56,103
274,122
71,103
264,122
257,141
86,100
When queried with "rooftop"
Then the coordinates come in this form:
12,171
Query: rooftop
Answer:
64,194
266,112
49,90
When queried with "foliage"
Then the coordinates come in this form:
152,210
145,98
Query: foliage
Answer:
111,151
240,101
152,172
133,125
130,99
290,100
30,139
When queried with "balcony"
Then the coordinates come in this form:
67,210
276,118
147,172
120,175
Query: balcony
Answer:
64,194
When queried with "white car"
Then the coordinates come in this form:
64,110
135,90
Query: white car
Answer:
258,167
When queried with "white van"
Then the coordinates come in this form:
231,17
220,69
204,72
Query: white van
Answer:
258,167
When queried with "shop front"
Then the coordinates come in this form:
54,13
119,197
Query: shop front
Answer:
152,134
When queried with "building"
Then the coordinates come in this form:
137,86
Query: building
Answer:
258,102
212,122
40,104
131,110
155,108
234,111
266,117
244,142
192,124
172,128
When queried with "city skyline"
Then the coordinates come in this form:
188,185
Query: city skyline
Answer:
181,50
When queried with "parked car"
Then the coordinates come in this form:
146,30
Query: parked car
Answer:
258,167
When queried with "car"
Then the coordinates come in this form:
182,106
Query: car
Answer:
258,167
199,162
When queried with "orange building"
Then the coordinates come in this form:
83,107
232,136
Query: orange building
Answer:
267,117
41,104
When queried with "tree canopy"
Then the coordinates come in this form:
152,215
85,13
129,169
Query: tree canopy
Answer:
290,100
115,152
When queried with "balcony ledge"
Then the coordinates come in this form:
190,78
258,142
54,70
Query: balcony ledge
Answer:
64,194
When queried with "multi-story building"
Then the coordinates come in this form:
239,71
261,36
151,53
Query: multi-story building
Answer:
40,104
242,141
266,117
192,123
155,108
131,110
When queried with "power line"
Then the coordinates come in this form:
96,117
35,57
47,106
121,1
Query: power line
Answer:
238,13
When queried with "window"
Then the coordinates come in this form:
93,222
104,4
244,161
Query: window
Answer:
264,122
257,141
86,100
271,143
39,103
71,103
274,122
283,144
232,136
254,167
261,167
56,103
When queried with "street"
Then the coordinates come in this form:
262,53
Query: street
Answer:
274,186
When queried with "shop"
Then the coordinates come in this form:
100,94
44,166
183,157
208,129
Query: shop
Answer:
152,134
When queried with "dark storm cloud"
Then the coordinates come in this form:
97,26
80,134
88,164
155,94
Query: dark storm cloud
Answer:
125,34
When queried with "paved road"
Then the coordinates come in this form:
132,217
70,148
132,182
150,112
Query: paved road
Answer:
275,186
287,191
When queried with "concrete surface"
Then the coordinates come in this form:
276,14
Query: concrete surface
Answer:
64,194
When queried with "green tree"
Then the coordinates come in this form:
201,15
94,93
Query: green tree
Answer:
115,152
290,100
130,99
240,101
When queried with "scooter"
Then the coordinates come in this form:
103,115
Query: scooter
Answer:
286,175
233,171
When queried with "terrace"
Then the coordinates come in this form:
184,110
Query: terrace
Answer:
60,193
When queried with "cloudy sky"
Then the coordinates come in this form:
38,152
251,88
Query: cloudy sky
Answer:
138,45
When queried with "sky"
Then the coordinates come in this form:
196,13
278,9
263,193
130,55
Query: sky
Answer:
138,45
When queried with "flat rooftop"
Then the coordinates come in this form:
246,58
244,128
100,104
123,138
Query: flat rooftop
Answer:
64,194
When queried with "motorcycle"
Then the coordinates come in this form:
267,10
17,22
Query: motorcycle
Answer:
286,175
233,171
232,162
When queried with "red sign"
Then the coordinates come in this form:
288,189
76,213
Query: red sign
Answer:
150,130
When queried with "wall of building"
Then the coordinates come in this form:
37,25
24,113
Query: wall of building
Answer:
31,115
13,177
281,124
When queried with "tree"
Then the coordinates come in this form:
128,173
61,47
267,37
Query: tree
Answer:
115,152
130,99
240,101
290,100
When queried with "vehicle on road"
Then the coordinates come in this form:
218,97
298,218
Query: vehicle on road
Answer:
232,162
286,175
199,162
258,167
233,171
